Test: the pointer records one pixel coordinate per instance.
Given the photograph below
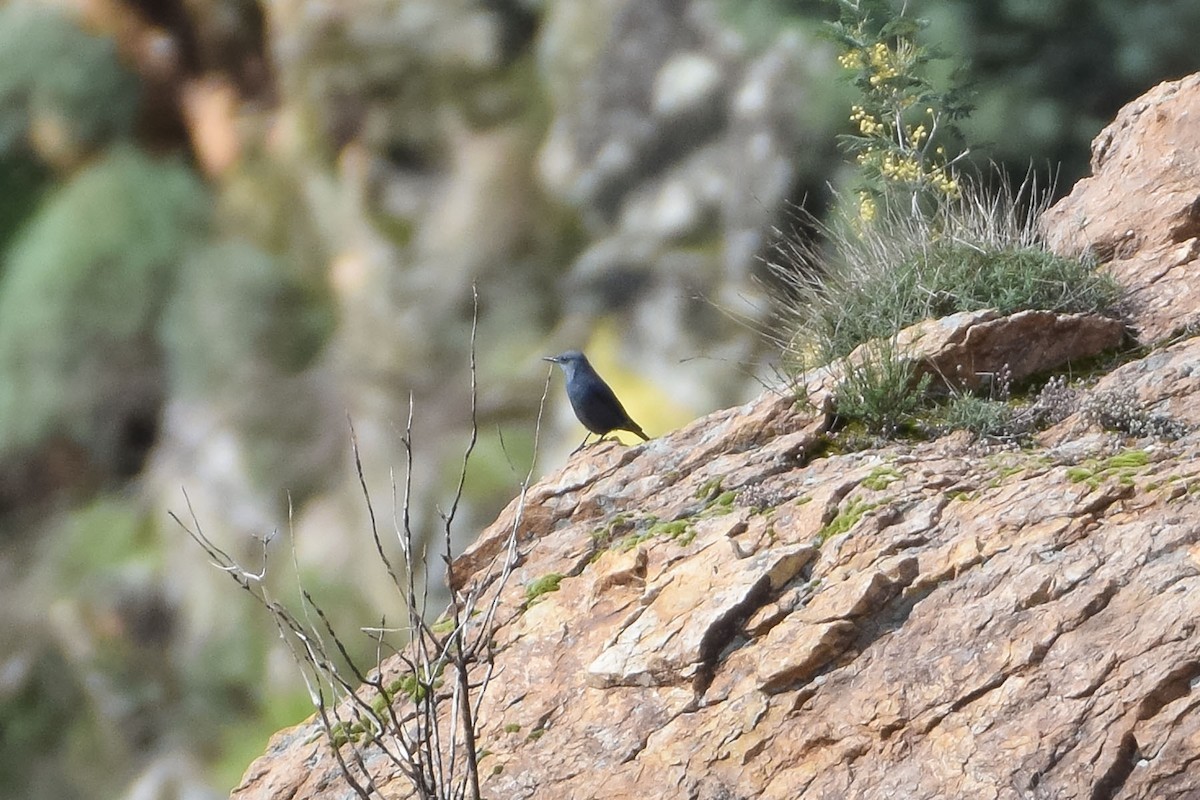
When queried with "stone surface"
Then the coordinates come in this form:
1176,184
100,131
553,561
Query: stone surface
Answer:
970,349
994,623
1139,213
1004,622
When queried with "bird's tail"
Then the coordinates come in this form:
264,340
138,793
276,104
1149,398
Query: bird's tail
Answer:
634,428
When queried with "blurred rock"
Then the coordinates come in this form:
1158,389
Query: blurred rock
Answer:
63,91
671,104
677,141
79,303
172,776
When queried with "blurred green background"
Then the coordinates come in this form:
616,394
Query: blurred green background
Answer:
226,227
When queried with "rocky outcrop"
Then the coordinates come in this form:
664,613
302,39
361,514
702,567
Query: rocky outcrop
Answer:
972,347
1139,212
743,618
746,611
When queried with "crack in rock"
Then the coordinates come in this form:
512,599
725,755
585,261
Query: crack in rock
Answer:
694,615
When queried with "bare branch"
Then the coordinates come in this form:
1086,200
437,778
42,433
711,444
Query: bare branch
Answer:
422,721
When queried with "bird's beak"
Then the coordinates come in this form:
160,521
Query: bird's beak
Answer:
551,359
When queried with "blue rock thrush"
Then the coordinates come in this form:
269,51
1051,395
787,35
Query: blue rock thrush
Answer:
592,399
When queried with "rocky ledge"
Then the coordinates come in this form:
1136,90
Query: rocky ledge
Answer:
747,612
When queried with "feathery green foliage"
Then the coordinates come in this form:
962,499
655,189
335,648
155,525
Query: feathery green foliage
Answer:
923,241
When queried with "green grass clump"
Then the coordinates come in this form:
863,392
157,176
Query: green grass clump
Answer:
725,498
883,390
671,530
633,540
604,536
680,530
966,277
719,504
981,249
881,477
980,415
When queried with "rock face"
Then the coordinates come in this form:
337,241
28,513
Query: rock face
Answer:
745,612
928,620
973,346
1140,211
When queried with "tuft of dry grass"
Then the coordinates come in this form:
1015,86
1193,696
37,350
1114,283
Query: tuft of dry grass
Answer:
858,281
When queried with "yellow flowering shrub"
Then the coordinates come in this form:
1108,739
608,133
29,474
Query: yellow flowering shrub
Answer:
900,120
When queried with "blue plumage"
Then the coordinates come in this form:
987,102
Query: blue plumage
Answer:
593,400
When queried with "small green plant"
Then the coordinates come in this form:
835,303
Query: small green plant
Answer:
365,728
634,539
672,530
719,504
409,686
709,489
604,536
1004,472
539,587
979,415
882,390
847,517
679,530
340,734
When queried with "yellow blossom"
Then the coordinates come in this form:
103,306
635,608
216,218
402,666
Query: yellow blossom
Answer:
883,63
851,59
866,207
902,169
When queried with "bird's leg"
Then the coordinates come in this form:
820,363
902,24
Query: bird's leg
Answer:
581,444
